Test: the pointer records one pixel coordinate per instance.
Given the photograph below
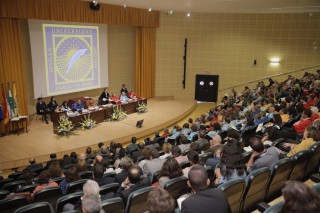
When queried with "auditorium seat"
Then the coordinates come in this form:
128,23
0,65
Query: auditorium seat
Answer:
36,208
316,187
300,161
185,152
27,188
49,194
313,165
246,156
70,198
75,186
265,208
234,190
3,193
5,181
137,201
15,175
109,174
57,180
256,184
177,186
13,186
114,205
194,138
85,175
112,187
155,176
184,164
279,175
9,205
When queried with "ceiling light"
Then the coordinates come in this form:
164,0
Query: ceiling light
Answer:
169,12
150,9
125,6
188,14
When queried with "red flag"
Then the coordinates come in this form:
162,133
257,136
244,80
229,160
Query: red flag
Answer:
5,107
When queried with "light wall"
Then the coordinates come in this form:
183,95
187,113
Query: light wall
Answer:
121,47
227,45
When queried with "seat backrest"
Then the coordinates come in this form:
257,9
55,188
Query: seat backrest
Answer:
49,194
15,175
70,198
184,164
9,205
27,188
276,208
300,161
204,157
114,205
86,175
313,165
279,174
177,186
13,186
256,184
246,156
137,201
36,207
234,190
109,174
3,193
75,186
112,187
57,180
5,181
155,176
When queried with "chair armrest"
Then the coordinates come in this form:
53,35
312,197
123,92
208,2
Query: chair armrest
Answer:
261,207
315,178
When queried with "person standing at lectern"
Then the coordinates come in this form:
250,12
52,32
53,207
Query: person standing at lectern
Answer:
124,89
104,97
42,109
52,105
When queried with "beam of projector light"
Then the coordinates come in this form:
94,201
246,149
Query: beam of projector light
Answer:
75,57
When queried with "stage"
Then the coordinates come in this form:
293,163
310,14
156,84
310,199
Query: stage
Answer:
40,140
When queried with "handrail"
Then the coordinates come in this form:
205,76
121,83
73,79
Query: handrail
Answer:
272,76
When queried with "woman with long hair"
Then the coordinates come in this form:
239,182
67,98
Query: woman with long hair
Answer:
232,164
170,169
70,175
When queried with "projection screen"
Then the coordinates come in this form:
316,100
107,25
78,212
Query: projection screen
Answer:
68,57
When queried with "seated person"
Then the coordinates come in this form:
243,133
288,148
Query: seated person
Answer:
64,106
43,180
52,105
132,95
42,109
104,97
114,98
90,103
124,98
78,106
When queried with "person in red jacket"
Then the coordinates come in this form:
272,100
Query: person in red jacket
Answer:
304,122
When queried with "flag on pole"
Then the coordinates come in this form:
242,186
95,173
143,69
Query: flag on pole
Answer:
11,104
15,99
5,107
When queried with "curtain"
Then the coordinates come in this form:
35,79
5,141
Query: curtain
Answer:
145,61
11,61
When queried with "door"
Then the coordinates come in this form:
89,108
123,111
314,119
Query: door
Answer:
207,88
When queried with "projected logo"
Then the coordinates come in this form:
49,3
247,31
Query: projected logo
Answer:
72,59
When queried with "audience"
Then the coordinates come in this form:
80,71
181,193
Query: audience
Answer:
152,163
176,153
43,181
170,169
70,175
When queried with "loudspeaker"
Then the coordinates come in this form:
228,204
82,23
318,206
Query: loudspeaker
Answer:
139,123
94,6
255,62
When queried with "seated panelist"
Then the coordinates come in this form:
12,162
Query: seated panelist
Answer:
78,106
124,98
64,106
90,103
132,95
114,98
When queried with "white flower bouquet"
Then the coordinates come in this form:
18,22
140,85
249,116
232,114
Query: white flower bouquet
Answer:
87,123
142,107
118,114
65,125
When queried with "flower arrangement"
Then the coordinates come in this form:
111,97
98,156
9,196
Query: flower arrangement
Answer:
87,123
118,114
65,125
142,107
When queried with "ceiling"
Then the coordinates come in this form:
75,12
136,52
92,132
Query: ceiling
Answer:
223,6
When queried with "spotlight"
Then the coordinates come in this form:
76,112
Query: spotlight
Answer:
125,6
188,14
94,5
150,9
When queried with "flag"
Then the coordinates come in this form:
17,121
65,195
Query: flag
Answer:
15,99
11,104
5,107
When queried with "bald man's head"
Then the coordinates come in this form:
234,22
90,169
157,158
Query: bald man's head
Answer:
134,175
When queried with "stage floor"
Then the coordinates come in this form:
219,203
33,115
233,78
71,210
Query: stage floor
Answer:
40,140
